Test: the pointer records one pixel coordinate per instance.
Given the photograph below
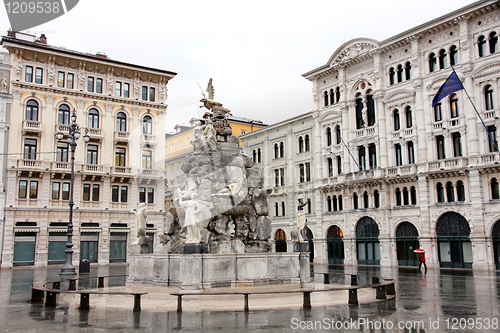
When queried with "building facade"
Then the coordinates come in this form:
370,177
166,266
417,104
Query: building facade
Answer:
121,107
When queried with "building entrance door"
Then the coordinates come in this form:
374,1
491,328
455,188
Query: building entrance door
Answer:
455,247
496,244
368,245
335,245
406,242
280,241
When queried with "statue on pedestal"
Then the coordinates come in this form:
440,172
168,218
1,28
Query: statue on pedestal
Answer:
301,217
140,225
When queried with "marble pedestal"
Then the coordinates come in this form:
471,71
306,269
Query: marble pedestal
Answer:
300,247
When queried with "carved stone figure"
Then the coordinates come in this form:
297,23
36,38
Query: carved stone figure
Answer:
3,86
191,210
140,224
301,217
210,134
163,93
199,141
219,113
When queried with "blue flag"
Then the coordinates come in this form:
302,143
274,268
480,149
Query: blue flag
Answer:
451,85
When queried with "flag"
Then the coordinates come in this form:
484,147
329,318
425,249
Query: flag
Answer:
451,85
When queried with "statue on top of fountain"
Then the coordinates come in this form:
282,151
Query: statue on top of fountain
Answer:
218,118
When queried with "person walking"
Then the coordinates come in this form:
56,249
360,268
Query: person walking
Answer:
421,258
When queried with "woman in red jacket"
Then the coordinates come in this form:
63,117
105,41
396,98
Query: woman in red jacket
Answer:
421,258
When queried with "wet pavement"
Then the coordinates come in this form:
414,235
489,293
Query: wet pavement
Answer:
439,301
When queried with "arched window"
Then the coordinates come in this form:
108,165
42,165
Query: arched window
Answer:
276,209
408,70
301,144
309,206
370,104
283,208
282,149
355,200
325,96
359,113
337,92
397,125
121,122
337,134
392,75
93,118
328,136
413,195
307,144
365,199
409,119
493,42
460,191
440,192
398,197
400,73
432,62
443,59
454,105
147,125
450,193
481,45
276,150
329,203
63,114
406,198
330,167
453,55
334,199
341,203
495,192
254,156
332,96
32,110
488,97
376,198
438,116
259,155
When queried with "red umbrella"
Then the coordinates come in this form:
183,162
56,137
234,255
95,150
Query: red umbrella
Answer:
419,251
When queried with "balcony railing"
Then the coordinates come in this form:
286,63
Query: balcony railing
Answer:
121,170
122,136
148,137
92,168
149,172
447,164
491,114
62,128
22,163
401,170
61,166
32,125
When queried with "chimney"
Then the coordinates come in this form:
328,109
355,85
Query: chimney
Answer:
43,39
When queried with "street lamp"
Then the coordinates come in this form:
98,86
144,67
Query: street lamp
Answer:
74,134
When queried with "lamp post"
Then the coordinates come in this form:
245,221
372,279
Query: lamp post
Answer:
74,135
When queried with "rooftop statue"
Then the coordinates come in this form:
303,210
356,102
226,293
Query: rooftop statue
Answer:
219,113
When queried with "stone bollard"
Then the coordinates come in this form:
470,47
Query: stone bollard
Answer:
353,296
354,280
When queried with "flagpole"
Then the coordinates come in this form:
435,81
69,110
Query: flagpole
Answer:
347,148
485,127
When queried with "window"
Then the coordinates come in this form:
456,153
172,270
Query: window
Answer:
124,194
243,132
151,94
440,192
147,125
325,97
276,178
337,92
492,138
457,144
33,189
117,195
488,97
399,158
328,136
309,206
493,42
95,192
276,151
406,198
440,147
93,118
365,199
339,165
432,62
443,59
70,81
335,206
31,110
90,191
63,114
60,79
438,116
98,86
23,187
371,109
355,200
398,197
180,144
397,124
330,167
142,194
55,190
413,195
411,153
307,144
30,149
151,195
28,75
454,105
337,134
120,157
147,159
408,71
341,203
400,73
392,74
301,144
495,192
362,158
118,88
144,93
376,198
453,55
90,84
359,114
254,156
450,193
329,204
283,208
62,152
332,96
188,142
481,45
301,173
409,119
92,156
282,176
126,90
121,122
460,191
39,75
282,149
308,172
372,152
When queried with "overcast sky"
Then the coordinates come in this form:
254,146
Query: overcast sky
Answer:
255,51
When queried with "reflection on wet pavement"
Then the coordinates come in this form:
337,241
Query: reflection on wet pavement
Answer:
432,302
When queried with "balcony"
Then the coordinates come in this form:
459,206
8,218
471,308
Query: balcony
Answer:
148,140
401,170
121,137
63,128
149,173
366,132
31,165
447,164
62,166
32,127
121,170
92,169
95,134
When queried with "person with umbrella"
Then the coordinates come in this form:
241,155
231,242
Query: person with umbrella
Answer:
421,258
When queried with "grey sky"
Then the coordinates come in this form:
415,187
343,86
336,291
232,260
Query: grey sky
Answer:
254,51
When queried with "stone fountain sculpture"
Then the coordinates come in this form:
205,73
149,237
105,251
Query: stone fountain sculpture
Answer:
142,241
220,205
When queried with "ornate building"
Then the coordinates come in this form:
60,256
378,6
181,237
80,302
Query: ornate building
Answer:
122,109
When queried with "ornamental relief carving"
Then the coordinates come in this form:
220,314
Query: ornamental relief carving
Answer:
353,51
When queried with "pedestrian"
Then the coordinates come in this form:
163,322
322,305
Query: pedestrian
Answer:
421,258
